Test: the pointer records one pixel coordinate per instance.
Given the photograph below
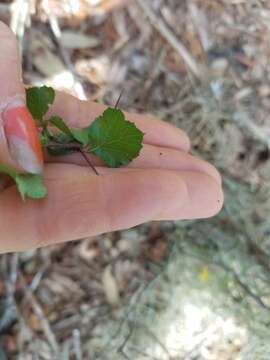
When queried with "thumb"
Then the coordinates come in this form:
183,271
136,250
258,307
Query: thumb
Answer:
19,142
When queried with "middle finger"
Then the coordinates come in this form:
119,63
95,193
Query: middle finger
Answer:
79,114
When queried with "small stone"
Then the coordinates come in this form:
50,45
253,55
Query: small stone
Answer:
243,93
130,235
124,245
110,286
264,90
114,253
130,242
139,63
220,65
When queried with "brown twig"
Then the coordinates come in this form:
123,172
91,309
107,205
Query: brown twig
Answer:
77,344
41,316
242,120
158,23
20,11
56,31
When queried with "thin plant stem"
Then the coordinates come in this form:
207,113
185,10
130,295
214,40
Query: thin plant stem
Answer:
118,100
88,161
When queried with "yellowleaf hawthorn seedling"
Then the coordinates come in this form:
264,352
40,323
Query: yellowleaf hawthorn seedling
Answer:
110,136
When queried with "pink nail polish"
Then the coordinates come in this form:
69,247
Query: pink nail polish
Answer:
22,137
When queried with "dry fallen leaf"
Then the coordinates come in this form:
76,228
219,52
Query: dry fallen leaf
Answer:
43,54
48,63
110,286
73,40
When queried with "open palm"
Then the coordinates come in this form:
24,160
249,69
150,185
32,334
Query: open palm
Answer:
164,183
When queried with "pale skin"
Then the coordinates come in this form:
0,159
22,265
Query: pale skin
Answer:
164,183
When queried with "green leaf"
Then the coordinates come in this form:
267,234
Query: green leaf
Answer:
27,184
43,139
31,186
61,125
38,100
81,135
114,139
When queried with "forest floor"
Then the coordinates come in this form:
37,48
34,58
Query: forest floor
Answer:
172,291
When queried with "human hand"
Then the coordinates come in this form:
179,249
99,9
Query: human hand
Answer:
163,183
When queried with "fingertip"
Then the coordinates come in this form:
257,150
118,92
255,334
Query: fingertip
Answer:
205,198
205,194
216,200
209,169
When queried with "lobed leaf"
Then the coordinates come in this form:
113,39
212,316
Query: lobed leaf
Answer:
114,139
59,123
28,185
31,186
38,100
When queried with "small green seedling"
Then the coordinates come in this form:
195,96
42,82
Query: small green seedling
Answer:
110,136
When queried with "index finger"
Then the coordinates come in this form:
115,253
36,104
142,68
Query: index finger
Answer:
78,113
87,205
